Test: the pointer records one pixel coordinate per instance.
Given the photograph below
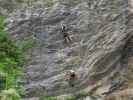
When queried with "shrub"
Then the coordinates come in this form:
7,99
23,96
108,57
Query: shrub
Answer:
10,94
11,61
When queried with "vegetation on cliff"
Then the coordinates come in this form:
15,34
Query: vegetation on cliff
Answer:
12,58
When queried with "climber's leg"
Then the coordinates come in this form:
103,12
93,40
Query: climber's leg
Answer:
70,39
71,83
66,40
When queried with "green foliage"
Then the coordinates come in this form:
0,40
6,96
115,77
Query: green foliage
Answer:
8,48
27,43
1,23
11,61
48,98
10,94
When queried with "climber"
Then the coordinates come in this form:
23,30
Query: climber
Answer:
66,34
71,77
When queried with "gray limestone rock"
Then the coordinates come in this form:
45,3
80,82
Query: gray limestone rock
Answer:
99,30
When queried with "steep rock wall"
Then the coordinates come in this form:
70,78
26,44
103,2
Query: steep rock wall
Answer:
99,31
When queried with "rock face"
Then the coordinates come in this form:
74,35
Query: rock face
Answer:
99,30
122,95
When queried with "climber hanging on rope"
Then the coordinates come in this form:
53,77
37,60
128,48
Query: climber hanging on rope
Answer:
66,35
